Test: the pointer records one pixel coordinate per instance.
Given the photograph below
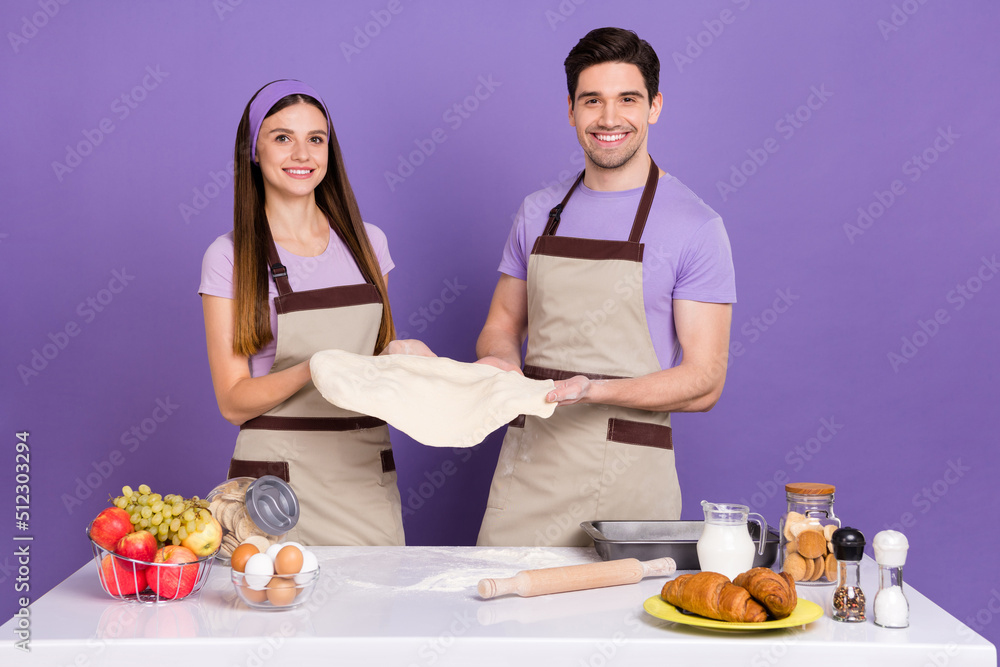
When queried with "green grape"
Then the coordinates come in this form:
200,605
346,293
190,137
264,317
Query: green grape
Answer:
144,499
157,506
143,488
126,490
182,533
175,525
155,497
178,508
205,515
190,526
143,523
189,515
199,526
120,502
167,512
146,512
156,519
175,540
162,532
135,517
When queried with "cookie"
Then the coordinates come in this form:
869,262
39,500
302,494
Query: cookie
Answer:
819,568
831,567
828,531
811,544
791,548
791,519
795,565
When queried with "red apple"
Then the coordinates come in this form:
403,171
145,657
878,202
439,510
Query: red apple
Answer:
118,577
110,526
140,545
173,581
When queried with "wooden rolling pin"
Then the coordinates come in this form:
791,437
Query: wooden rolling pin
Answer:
576,577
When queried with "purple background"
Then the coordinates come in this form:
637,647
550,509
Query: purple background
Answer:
887,96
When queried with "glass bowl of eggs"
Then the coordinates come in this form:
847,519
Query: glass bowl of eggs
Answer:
281,577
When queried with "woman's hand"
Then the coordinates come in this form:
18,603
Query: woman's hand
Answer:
409,346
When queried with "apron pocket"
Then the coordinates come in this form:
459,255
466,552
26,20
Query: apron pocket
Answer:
247,468
644,434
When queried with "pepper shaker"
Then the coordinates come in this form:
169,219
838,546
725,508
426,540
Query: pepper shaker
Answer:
891,608
848,599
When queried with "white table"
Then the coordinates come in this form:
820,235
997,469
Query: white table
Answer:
418,606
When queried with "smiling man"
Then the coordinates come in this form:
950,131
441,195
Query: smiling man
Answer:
624,293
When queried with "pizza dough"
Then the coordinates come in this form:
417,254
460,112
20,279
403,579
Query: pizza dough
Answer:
437,401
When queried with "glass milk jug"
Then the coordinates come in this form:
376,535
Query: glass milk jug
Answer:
725,545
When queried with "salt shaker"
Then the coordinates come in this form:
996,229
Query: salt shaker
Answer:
848,599
891,608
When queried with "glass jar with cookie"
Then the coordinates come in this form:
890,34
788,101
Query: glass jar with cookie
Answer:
806,528
259,511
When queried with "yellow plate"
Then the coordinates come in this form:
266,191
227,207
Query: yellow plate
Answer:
805,612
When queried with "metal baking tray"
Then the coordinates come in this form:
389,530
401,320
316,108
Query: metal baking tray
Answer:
647,540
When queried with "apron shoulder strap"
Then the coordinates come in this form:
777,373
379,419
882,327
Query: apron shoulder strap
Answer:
556,213
278,270
646,202
638,225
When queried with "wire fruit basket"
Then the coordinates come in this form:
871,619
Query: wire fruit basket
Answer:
138,581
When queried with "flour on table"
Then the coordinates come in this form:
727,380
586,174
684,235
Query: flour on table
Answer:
437,401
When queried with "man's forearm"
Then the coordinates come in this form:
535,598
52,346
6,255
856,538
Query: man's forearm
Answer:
504,345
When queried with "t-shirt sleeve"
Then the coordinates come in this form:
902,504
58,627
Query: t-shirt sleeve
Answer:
515,257
217,269
705,272
380,244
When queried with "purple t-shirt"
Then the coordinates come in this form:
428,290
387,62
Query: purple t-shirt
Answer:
687,253
334,267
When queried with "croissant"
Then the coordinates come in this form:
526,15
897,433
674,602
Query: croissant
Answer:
712,595
775,591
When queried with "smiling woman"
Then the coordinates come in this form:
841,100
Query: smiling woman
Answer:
296,221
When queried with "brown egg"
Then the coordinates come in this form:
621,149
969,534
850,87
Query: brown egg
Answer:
241,555
288,560
251,595
281,591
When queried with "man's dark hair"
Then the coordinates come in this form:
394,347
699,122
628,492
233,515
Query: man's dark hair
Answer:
613,45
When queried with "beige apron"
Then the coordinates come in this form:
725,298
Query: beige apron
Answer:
338,462
586,462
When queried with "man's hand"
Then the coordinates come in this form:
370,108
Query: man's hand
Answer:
577,389
410,346
497,362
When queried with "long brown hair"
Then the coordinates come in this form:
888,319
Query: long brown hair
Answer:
335,199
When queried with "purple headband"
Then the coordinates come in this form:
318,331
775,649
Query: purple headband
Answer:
268,97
